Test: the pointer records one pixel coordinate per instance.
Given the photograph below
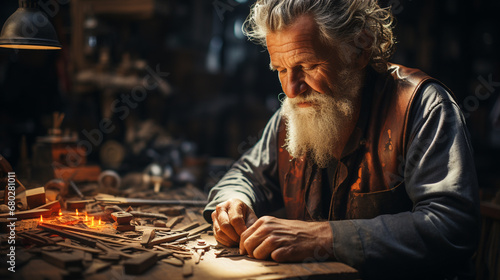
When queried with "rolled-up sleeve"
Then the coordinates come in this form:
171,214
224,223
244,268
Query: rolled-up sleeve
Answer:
254,177
442,230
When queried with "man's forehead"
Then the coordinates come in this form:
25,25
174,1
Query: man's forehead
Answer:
304,30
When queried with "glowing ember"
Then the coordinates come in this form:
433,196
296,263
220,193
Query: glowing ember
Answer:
76,211
60,213
41,219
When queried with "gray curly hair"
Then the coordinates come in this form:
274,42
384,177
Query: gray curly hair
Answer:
346,20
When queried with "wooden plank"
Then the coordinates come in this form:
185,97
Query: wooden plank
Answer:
168,238
199,229
93,232
188,227
29,214
85,249
63,260
148,215
68,234
172,222
141,263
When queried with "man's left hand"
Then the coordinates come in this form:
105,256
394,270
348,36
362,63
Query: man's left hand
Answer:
287,240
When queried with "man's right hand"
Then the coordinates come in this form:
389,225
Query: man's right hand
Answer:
231,218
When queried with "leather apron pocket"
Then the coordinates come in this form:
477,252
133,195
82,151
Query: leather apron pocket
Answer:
373,204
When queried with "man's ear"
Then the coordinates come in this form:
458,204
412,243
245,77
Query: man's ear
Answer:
363,42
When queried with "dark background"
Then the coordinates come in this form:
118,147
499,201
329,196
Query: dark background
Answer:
222,92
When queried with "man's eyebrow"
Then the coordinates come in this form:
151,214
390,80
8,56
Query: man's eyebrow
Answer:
272,67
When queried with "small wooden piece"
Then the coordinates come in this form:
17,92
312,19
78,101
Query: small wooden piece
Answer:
67,234
141,263
172,222
189,226
199,229
122,218
63,260
168,238
173,261
77,204
187,269
35,197
173,211
147,236
29,214
123,228
148,215
160,223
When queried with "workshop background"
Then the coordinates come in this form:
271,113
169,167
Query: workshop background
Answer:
178,80
175,85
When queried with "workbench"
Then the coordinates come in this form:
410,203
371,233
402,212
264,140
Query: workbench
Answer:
58,249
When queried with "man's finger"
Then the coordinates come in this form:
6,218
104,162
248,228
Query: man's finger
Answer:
237,217
221,237
225,224
245,236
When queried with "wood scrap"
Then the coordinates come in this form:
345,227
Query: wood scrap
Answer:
54,205
172,222
122,217
200,229
139,264
174,261
172,211
124,227
160,223
168,238
188,226
63,260
88,231
68,234
148,215
76,247
139,201
188,268
29,214
147,236
35,197
143,228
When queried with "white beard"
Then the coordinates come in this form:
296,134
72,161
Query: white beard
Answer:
316,130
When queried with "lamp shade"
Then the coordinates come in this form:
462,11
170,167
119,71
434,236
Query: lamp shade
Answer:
29,28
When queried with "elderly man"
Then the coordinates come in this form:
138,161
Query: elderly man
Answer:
370,160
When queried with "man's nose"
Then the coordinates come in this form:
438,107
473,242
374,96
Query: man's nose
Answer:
295,85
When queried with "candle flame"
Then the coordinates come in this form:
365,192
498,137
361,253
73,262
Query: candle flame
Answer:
41,219
99,223
60,213
86,217
76,211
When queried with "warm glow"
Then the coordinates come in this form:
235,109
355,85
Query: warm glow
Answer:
76,211
99,223
41,219
29,47
86,217
60,213
92,222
